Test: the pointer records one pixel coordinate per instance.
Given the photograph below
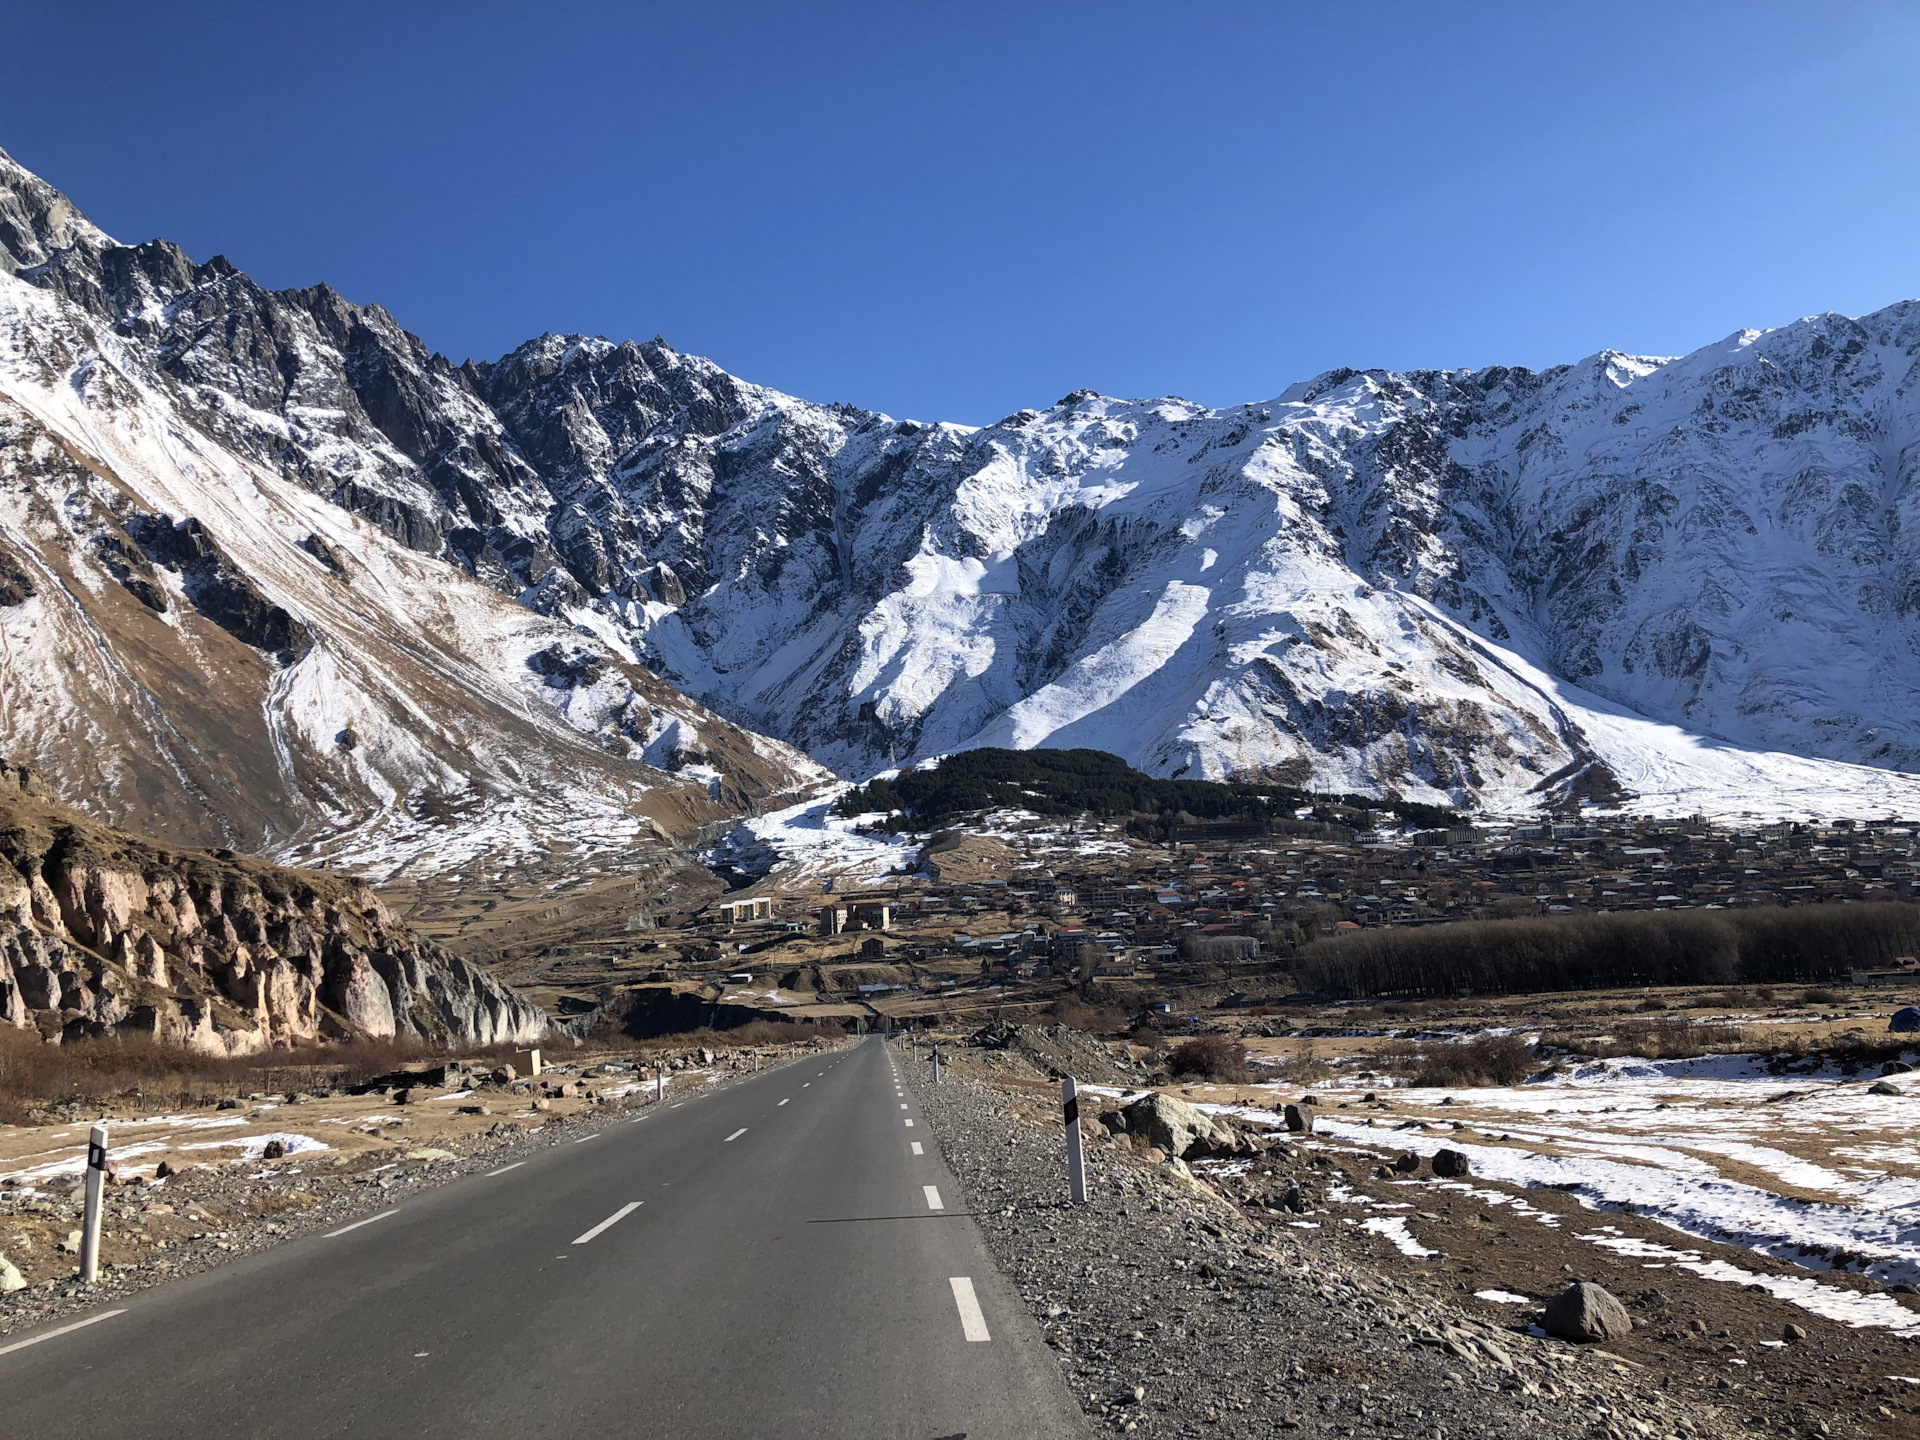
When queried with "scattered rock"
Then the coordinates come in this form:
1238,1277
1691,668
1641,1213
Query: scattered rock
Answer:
1298,1121
1794,1334
1175,1127
1585,1313
1885,1087
276,1150
165,1170
10,1277
1451,1165
1406,1164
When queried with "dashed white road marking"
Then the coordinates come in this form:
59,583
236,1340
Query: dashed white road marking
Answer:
63,1330
358,1223
903,1104
504,1168
783,1102
734,1136
804,1084
909,1122
973,1324
932,1192
916,1147
584,1138
613,1219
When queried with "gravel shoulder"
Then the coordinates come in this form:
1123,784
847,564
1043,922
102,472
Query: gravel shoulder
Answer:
1174,1312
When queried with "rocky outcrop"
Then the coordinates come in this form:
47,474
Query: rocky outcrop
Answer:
104,933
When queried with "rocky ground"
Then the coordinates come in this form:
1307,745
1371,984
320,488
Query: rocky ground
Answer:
1179,1311
158,1230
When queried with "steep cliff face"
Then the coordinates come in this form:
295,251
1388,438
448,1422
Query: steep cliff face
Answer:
105,933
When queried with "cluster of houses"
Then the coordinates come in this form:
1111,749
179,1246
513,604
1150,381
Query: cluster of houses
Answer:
1149,913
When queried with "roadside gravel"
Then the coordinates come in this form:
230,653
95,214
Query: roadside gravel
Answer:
1174,1314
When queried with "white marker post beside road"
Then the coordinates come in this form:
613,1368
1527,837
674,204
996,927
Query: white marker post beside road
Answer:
96,1182
1076,1162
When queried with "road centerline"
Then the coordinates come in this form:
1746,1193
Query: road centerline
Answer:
932,1192
611,1220
734,1136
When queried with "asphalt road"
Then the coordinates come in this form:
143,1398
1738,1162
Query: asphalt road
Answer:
773,1259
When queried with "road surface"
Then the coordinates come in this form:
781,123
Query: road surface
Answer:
785,1257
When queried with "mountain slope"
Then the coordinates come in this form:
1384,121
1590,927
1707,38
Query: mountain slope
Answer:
1683,580
197,643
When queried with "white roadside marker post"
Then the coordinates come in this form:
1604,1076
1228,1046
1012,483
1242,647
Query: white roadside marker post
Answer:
1076,1162
936,1064
96,1182
660,1084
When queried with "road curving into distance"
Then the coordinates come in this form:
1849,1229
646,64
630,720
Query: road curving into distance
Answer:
782,1258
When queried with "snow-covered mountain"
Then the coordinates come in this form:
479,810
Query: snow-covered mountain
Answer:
1685,580
196,641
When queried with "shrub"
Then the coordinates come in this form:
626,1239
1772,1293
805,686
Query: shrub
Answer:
1821,997
1464,1064
1210,1057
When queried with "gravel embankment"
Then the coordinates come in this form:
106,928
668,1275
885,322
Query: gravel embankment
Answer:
1174,1314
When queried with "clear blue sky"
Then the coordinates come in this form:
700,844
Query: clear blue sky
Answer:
951,211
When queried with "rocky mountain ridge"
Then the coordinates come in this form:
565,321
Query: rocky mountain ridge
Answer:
104,933
1682,583
197,643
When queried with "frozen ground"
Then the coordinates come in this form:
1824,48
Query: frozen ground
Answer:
1810,1168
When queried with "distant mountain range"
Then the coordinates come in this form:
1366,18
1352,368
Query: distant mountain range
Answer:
272,570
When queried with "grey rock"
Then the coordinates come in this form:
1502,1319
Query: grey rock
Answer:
1169,1124
1451,1164
1586,1313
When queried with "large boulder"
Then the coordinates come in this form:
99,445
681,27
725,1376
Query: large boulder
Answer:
1585,1313
1451,1165
1172,1125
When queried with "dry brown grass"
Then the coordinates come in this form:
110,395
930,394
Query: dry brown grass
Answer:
36,1076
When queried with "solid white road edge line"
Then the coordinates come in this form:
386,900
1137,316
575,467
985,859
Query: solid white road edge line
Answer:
63,1330
504,1168
916,1147
613,1219
973,1324
932,1192
584,1138
358,1223
734,1136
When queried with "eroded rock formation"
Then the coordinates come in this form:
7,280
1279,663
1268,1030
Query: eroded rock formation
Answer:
102,932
